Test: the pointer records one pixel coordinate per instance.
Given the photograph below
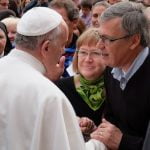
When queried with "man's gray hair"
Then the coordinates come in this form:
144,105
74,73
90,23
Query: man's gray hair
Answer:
133,19
33,42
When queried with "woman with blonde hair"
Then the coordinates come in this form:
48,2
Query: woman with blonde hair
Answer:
85,89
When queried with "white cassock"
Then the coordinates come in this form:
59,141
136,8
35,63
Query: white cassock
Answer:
95,145
34,113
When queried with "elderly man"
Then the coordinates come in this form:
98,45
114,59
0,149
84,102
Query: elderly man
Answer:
34,113
124,39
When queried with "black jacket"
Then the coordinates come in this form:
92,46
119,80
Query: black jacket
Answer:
129,109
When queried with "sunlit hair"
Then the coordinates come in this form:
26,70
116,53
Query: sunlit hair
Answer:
133,20
10,21
88,37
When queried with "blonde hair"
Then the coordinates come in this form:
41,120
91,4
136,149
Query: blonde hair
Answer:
88,37
10,21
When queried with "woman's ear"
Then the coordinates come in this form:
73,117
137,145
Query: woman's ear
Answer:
45,48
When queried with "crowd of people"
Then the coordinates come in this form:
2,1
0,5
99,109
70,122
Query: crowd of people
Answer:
74,75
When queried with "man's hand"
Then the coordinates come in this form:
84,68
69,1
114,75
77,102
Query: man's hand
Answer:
109,134
87,126
56,74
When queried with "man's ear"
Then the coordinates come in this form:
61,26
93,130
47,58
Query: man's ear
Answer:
136,39
45,48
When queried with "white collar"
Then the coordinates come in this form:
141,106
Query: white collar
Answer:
29,59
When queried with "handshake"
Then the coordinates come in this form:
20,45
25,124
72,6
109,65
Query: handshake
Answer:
87,126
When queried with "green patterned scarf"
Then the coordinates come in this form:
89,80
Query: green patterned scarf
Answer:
92,92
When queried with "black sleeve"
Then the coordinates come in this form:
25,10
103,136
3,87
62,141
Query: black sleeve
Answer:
129,142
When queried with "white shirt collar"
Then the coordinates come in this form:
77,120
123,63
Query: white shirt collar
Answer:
29,59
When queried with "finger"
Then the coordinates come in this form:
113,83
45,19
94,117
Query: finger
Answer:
83,121
86,122
97,136
83,129
105,121
102,125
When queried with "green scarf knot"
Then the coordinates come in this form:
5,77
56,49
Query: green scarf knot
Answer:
92,92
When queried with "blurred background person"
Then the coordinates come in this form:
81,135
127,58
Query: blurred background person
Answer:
3,39
97,10
35,3
85,12
5,13
14,6
11,25
80,28
5,45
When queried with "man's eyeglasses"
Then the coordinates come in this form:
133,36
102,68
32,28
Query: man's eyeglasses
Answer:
84,53
108,40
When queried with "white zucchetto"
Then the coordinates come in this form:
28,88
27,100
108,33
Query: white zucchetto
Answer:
38,21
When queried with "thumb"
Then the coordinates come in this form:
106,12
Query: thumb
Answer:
104,120
61,62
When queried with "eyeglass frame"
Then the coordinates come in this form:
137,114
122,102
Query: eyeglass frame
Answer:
86,53
107,40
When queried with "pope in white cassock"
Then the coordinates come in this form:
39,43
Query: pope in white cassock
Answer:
34,113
